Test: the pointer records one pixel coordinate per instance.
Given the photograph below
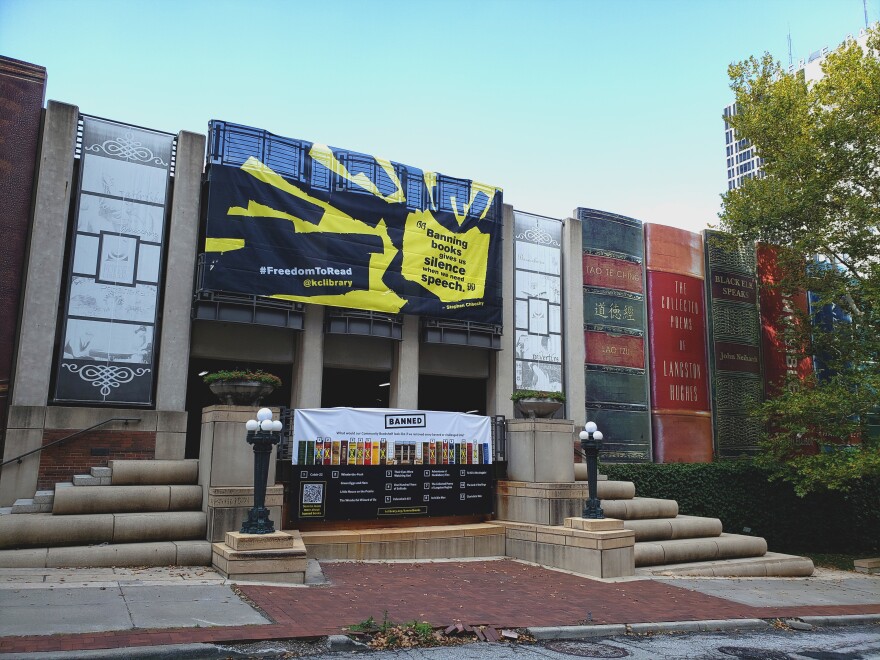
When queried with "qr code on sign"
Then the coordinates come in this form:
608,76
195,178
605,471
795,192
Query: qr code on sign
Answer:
313,493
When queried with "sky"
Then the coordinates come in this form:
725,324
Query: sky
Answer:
614,105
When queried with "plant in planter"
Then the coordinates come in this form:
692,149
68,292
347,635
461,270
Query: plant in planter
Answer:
237,387
537,403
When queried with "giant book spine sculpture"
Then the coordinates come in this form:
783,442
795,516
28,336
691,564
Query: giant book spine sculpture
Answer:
681,421
615,370
734,344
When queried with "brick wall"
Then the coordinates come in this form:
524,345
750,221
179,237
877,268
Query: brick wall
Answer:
96,449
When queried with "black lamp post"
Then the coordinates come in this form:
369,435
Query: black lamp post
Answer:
591,443
262,433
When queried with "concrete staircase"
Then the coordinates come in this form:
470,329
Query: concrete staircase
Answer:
132,513
671,544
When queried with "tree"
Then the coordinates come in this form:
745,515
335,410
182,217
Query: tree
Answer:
819,196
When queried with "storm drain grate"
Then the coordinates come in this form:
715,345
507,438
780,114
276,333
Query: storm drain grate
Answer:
744,653
588,649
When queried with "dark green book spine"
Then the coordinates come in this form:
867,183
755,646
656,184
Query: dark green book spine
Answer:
734,328
615,330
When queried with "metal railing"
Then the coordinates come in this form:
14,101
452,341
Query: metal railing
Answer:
76,434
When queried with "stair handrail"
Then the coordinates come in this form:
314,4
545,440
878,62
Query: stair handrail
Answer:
125,420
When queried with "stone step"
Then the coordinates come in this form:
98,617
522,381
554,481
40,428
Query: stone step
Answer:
168,553
90,480
44,496
28,505
101,472
639,508
125,499
154,472
772,564
47,530
680,527
676,551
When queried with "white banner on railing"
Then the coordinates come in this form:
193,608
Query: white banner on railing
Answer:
383,436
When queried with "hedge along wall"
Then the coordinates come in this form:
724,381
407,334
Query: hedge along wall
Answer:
742,496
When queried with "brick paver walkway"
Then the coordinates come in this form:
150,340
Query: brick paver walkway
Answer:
502,593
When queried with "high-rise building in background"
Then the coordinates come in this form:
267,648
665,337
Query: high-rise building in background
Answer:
742,160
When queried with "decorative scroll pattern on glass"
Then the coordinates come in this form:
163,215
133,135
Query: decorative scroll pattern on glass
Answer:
108,344
538,305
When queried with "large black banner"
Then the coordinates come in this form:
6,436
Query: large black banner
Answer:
301,221
353,492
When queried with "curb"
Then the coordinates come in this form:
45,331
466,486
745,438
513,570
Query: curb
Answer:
165,652
842,620
576,632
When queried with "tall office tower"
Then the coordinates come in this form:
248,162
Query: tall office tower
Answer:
742,160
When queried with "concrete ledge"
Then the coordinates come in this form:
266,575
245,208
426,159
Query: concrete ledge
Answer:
185,553
770,564
126,499
867,565
604,553
154,472
429,542
640,508
680,527
675,551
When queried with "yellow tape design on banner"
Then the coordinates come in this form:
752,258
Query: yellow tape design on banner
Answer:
223,244
324,155
378,297
476,188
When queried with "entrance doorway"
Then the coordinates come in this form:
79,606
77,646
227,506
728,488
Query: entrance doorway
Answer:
355,388
452,394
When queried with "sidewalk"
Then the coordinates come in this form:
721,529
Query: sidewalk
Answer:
54,610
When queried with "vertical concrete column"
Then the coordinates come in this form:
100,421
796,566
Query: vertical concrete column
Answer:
40,295
309,363
182,235
42,281
500,385
573,310
405,372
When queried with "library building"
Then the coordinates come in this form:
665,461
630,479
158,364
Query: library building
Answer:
246,350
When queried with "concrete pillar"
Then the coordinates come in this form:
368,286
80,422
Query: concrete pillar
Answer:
309,363
405,372
573,311
182,236
226,471
40,295
42,282
539,450
500,385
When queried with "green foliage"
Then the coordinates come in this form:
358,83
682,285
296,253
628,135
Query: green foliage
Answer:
820,143
518,395
742,495
233,375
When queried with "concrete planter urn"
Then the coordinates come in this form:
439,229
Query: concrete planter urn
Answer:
538,407
241,392
240,387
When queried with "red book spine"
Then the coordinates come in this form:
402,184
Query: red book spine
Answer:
681,420
781,357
